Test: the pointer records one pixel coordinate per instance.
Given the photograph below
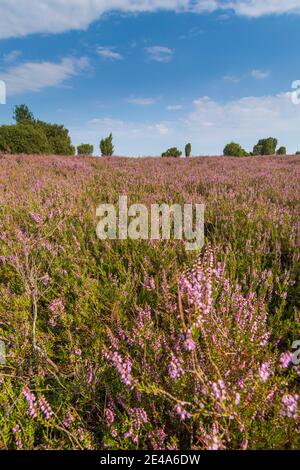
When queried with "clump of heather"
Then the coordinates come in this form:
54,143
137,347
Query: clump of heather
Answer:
207,371
141,344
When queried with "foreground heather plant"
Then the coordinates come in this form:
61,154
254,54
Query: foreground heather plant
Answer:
206,373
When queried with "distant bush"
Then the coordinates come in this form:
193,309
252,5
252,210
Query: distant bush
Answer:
172,152
281,151
234,150
106,146
23,138
85,149
265,146
188,150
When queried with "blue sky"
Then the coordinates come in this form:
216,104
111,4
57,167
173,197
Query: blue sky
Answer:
155,73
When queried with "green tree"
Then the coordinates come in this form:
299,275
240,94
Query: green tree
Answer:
281,151
22,114
58,138
188,150
85,149
172,152
265,146
106,146
23,138
234,150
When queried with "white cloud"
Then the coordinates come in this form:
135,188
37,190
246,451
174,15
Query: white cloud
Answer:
23,17
232,78
11,57
160,53
260,74
141,101
108,53
174,107
210,126
35,76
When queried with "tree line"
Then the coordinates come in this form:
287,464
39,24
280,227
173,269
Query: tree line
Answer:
33,136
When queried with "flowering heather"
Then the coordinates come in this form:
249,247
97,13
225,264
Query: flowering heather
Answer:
141,344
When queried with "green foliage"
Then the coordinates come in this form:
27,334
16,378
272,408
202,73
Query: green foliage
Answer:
85,149
106,146
188,150
58,138
172,152
22,114
23,138
281,151
234,150
34,136
265,146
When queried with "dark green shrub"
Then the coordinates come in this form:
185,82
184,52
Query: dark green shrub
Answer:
188,150
106,146
234,150
172,152
85,149
266,146
23,138
281,151
58,138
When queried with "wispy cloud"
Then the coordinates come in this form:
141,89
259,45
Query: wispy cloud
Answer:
255,73
141,101
232,78
23,17
12,56
174,107
108,53
260,74
35,76
160,53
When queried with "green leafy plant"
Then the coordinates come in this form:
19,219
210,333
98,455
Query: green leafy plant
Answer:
106,146
85,149
234,150
172,152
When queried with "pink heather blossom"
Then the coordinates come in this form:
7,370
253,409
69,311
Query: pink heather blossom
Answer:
109,417
45,408
181,412
265,371
286,359
289,406
218,390
37,218
175,368
17,433
31,399
78,352
189,343
139,415
123,366
157,438
68,421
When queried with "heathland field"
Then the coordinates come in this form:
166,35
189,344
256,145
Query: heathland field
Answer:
143,344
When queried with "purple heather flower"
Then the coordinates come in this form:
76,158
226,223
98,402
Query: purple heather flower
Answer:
286,359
